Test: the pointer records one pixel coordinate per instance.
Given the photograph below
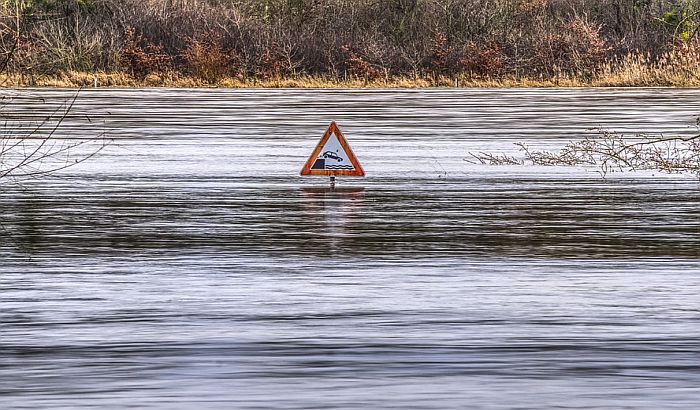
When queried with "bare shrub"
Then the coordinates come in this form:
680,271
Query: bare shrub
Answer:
271,64
206,59
439,52
574,47
30,149
356,66
483,59
610,151
486,158
142,60
530,7
77,46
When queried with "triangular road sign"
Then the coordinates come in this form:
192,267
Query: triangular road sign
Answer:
333,157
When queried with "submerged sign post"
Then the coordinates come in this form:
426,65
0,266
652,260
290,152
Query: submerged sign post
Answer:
333,157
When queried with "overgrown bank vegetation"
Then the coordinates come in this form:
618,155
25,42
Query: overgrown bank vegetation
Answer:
350,42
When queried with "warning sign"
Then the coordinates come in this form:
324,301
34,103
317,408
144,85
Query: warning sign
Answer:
333,156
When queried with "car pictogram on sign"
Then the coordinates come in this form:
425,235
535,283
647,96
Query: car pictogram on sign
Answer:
331,154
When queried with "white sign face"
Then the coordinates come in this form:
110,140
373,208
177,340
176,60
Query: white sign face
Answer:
333,156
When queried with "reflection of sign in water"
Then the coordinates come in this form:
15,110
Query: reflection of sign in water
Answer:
333,156
329,213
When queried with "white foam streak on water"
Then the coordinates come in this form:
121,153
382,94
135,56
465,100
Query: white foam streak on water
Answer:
189,266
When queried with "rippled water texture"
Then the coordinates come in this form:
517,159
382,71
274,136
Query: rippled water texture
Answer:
189,266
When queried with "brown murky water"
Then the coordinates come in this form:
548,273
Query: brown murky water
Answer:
189,266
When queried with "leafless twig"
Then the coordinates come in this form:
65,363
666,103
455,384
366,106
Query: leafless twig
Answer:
33,150
492,159
612,151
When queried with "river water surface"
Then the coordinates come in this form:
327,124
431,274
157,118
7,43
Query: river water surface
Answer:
189,266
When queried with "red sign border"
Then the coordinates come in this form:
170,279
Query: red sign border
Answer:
332,129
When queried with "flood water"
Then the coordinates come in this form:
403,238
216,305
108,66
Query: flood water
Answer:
189,266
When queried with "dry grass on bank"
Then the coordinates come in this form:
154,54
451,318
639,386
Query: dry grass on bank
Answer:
677,68
171,80
174,80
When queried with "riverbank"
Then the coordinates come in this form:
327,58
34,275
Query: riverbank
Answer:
174,80
626,76
677,68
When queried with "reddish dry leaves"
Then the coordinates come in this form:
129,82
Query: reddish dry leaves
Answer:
142,60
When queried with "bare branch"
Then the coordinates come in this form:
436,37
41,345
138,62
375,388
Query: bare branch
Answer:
611,151
37,151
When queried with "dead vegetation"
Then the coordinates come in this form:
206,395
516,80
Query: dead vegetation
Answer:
30,144
30,148
434,42
608,152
